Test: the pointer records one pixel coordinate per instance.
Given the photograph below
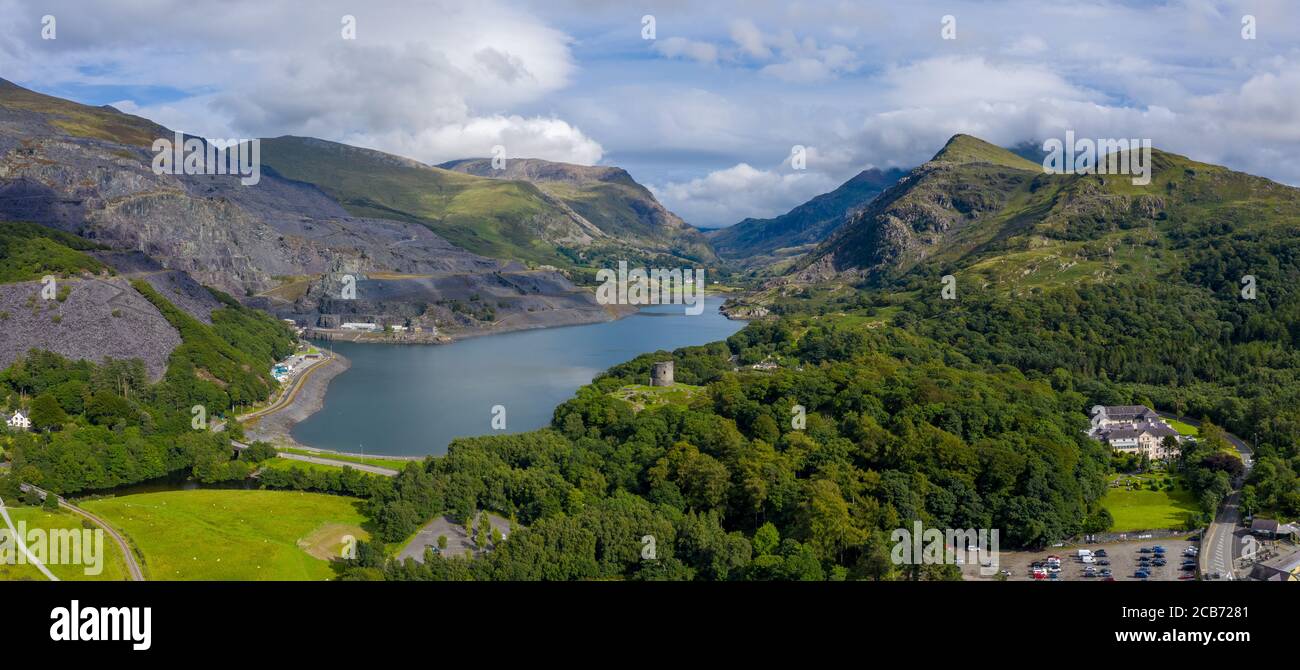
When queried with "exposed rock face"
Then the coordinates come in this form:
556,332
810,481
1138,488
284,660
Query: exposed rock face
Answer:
280,244
177,287
101,317
915,215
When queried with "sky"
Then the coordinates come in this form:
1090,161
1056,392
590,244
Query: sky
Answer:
703,103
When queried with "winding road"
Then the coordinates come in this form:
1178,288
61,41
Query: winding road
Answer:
131,565
1219,544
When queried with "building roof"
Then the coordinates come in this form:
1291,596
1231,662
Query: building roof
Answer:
1132,431
1122,412
1264,525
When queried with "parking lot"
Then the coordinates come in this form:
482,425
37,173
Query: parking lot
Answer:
1123,560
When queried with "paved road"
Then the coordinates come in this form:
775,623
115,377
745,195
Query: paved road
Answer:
131,565
22,544
374,469
290,394
1219,546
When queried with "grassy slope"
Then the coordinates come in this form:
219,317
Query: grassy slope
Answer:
485,216
113,567
101,123
967,149
234,534
29,252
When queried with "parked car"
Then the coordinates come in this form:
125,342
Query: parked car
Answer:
1105,572
1100,553
1158,549
1103,562
1159,562
1188,566
1144,550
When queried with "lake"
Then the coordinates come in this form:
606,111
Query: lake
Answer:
414,399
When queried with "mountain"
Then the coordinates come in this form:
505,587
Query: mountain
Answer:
607,197
285,243
996,219
754,242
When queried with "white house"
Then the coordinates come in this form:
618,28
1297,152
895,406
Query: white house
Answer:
20,421
1133,429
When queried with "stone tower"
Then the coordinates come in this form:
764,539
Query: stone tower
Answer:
662,374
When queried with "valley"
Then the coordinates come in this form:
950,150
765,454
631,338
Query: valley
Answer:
920,345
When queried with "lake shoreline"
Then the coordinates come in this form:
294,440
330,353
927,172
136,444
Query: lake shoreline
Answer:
281,429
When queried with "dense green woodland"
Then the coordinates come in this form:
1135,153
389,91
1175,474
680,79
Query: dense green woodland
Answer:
103,425
959,414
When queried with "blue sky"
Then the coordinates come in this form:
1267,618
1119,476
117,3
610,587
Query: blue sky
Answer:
705,113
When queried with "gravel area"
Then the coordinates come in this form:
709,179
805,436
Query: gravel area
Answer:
275,428
102,317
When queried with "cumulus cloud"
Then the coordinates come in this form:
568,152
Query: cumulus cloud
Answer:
749,38
432,83
680,47
726,196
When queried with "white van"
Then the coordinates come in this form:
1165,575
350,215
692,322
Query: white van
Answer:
1087,558
1085,552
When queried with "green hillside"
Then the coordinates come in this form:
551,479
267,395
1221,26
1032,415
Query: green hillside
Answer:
29,252
498,218
607,197
967,149
78,120
755,242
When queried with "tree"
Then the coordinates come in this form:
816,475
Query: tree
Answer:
767,539
51,503
442,542
46,413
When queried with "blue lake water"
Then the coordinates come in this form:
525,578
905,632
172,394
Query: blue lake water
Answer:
414,399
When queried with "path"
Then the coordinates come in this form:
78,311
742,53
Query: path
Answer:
373,469
288,395
22,544
131,565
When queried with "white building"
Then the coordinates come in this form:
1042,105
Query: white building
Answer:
352,325
1133,429
20,421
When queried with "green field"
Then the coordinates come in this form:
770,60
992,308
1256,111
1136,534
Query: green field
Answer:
643,396
290,464
1183,428
210,534
113,567
1146,509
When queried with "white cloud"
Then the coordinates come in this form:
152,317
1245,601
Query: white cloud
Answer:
749,38
432,83
680,47
723,197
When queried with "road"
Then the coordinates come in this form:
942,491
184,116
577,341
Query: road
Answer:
131,565
1218,548
287,397
373,469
